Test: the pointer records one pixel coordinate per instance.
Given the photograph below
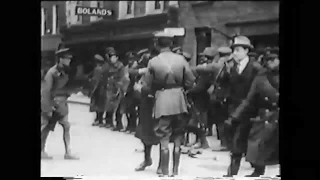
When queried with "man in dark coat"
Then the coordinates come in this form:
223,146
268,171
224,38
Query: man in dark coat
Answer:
54,107
168,75
241,77
261,105
99,60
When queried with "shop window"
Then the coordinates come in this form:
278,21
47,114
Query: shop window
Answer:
43,21
153,7
126,9
55,19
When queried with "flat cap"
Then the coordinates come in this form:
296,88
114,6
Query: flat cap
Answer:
163,34
224,50
186,55
142,51
210,51
64,52
98,57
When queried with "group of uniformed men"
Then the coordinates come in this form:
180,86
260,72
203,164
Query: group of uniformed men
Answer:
232,87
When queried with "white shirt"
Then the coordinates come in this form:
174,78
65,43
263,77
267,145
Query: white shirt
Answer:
242,64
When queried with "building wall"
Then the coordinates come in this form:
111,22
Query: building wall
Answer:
48,5
217,14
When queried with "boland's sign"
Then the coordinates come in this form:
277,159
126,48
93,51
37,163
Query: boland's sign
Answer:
90,11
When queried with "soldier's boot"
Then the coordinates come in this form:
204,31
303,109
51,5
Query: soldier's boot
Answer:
147,158
100,119
44,135
119,123
66,140
164,162
233,169
159,170
108,119
176,161
258,171
96,120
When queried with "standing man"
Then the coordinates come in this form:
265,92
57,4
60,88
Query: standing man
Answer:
96,94
54,107
241,77
262,103
168,75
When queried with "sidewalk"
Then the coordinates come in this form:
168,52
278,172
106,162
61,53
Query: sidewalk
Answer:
79,98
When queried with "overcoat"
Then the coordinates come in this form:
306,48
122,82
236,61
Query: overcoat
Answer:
262,102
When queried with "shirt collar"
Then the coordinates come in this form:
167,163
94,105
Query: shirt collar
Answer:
244,62
165,50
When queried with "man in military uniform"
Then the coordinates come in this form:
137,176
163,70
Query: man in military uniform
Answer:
241,77
95,94
262,104
118,81
54,107
168,75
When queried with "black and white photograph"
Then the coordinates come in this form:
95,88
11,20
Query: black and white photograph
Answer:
141,90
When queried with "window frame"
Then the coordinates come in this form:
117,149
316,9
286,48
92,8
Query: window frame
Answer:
123,9
55,19
43,22
150,7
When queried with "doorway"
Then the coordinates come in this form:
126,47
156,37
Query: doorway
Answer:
203,38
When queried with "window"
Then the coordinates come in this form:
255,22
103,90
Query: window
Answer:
43,21
157,5
153,7
126,9
55,19
129,7
173,3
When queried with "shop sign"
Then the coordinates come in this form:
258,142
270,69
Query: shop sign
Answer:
91,11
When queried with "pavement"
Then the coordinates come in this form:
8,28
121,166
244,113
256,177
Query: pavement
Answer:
111,155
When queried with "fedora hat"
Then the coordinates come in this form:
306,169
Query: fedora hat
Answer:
65,52
242,41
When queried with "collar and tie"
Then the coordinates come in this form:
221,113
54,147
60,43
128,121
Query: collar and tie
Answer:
237,66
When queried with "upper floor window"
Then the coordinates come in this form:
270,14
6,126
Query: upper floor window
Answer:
154,7
126,9
173,3
55,19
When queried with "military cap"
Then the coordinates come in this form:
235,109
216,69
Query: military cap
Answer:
210,51
142,51
242,41
163,34
186,55
224,50
64,52
98,57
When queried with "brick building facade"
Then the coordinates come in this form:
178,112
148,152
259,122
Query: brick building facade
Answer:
256,19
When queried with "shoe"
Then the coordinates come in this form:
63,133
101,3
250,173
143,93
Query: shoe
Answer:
44,155
123,130
108,126
159,170
70,157
234,166
101,125
143,165
198,145
258,171
96,123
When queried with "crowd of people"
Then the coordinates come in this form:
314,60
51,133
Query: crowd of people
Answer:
165,99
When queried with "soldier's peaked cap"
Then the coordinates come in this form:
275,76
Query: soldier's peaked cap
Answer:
163,34
98,57
242,41
142,51
224,50
210,51
64,52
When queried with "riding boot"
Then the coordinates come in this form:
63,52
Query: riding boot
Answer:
258,171
147,158
234,166
176,160
159,170
100,119
164,162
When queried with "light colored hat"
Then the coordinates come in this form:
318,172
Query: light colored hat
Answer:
242,41
224,50
142,51
210,51
64,52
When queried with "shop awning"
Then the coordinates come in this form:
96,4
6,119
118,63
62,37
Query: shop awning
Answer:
50,42
132,36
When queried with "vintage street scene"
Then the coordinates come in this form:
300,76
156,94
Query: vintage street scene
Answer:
160,89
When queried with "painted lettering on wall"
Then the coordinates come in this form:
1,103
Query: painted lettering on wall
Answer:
90,11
